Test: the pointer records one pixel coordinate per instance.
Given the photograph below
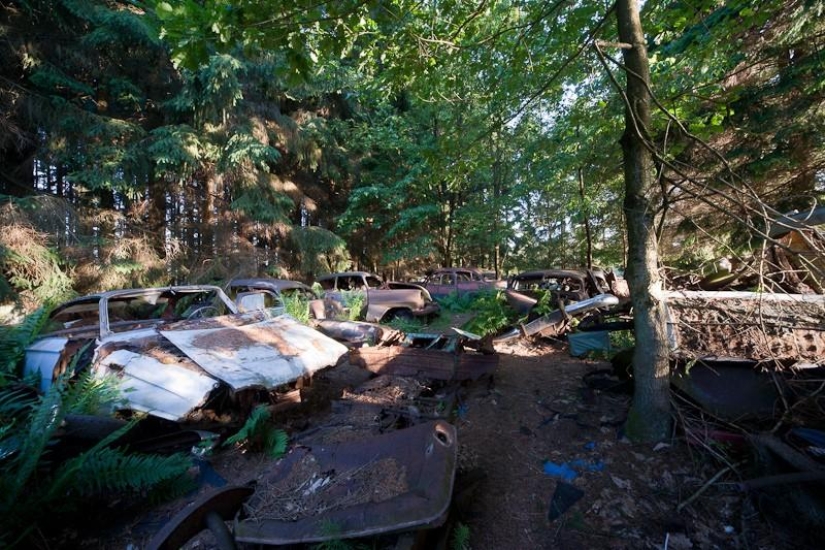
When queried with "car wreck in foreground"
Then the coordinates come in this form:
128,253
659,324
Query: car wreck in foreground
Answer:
181,353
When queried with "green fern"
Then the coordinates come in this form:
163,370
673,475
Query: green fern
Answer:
104,469
258,433
88,394
275,443
34,491
14,340
461,537
492,314
456,303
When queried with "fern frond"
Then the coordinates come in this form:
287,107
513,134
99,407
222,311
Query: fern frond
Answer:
258,431
15,403
89,394
253,425
45,419
275,443
105,469
13,341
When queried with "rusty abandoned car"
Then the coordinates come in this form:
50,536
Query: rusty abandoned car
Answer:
180,353
265,293
383,301
459,280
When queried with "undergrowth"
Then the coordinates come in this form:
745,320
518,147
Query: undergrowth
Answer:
492,313
297,307
258,434
39,491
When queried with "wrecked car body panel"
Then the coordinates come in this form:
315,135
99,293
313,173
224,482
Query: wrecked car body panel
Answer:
161,389
731,389
387,303
749,325
351,333
563,284
166,354
391,483
264,353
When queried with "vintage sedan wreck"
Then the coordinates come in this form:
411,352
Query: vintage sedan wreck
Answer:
384,301
181,353
459,280
264,293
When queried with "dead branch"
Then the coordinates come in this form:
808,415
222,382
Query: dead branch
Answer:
711,481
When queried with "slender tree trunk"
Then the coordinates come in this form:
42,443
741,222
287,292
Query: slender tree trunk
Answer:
588,233
649,418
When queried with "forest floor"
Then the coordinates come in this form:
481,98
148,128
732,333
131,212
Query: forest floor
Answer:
536,414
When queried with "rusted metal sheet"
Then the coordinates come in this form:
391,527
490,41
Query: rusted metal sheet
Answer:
354,333
433,356
391,483
166,390
751,325
732,389
266,354
42,358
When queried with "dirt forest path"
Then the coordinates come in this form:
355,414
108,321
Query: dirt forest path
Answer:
539,430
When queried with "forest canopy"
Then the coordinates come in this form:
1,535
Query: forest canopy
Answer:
147,142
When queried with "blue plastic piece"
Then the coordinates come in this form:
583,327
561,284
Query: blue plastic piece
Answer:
563,471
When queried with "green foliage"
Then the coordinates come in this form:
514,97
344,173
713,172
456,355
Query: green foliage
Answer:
455,302
88,394
622,340
460,539
492,313
36,493
15,339
297,307
319,250
243,147
353,302
104,469
405,324
262,204
258,434
333,531
175,149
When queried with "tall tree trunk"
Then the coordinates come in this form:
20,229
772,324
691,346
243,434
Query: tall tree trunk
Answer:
588,232
649,418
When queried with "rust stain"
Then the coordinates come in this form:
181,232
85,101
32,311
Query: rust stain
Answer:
233,339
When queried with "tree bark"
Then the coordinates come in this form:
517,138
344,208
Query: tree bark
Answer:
649,418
